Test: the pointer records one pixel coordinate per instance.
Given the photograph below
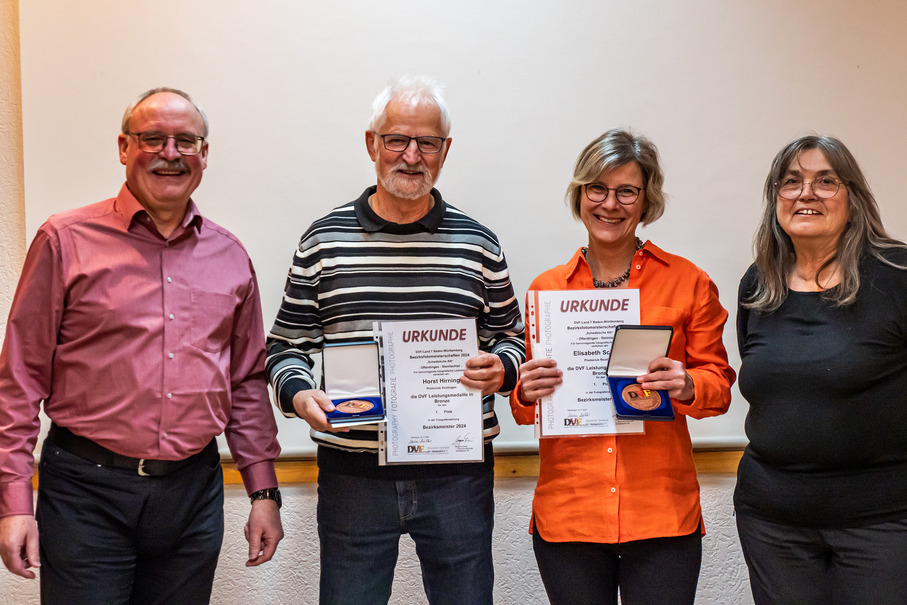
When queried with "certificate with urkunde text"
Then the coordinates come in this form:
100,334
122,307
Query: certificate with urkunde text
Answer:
576,328
431,416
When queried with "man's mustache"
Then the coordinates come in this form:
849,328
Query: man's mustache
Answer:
162,164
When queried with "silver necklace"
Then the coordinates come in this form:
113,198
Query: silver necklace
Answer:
620,278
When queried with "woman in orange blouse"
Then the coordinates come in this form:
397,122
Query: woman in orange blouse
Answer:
622,512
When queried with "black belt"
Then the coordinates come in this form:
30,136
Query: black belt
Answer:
89,450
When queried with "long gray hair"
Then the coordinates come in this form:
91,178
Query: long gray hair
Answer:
863,234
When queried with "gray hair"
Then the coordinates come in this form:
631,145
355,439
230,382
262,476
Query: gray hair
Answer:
612,149
127,116
416,90
863,234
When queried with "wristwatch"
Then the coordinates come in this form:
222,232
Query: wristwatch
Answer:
272,493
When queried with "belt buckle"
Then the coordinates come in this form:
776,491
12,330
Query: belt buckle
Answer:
141,468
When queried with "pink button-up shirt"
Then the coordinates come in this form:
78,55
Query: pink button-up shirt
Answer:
149,347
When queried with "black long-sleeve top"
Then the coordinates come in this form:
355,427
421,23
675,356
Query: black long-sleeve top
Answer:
827,388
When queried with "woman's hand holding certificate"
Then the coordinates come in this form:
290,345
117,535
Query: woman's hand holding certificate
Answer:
539,378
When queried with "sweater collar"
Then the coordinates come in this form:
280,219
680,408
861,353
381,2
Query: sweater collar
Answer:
371,222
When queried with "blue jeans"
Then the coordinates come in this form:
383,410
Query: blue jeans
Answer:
110,536
450,519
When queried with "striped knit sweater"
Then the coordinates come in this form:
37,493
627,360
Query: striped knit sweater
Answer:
353,268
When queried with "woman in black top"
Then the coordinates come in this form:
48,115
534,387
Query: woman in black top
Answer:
821,496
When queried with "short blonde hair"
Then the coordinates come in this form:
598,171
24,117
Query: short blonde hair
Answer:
616,148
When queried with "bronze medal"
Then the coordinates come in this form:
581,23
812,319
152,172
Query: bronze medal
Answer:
637,397
354,406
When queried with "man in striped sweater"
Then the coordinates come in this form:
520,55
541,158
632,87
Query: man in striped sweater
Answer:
398,252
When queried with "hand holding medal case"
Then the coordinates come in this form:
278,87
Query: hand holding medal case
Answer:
632,350
352,380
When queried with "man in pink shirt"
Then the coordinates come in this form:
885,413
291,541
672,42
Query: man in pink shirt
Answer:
138,323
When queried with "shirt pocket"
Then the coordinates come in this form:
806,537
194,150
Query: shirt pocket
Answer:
212,320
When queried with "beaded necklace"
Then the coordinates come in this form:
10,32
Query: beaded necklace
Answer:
620,278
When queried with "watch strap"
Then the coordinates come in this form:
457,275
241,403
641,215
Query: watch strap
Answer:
272,493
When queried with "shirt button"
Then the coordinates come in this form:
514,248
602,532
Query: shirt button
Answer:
610,450
169,395
170,355
613,489
638,267
169,280
171,316
165,434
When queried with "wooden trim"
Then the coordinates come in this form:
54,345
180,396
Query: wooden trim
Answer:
718,462
288,471
304,470
721,462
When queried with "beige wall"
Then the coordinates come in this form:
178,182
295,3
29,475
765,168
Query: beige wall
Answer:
719,86
12,183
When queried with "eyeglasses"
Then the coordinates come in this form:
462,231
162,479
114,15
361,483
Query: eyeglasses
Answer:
824,187
625,194
399,142
154,142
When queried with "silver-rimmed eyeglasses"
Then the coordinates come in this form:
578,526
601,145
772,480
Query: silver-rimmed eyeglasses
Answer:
399,142
625,194
824,187
154,142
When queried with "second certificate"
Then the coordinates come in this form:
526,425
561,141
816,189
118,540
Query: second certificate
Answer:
576,328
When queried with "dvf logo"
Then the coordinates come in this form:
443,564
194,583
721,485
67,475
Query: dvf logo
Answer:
415,449
573,421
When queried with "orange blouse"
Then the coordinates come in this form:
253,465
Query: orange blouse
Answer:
611,488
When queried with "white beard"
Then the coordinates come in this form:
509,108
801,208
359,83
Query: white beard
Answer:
406,188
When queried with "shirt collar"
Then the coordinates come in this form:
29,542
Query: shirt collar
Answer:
578,263
371,222
130,209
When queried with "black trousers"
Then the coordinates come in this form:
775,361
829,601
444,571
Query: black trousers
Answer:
111,536
659,571
814,566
